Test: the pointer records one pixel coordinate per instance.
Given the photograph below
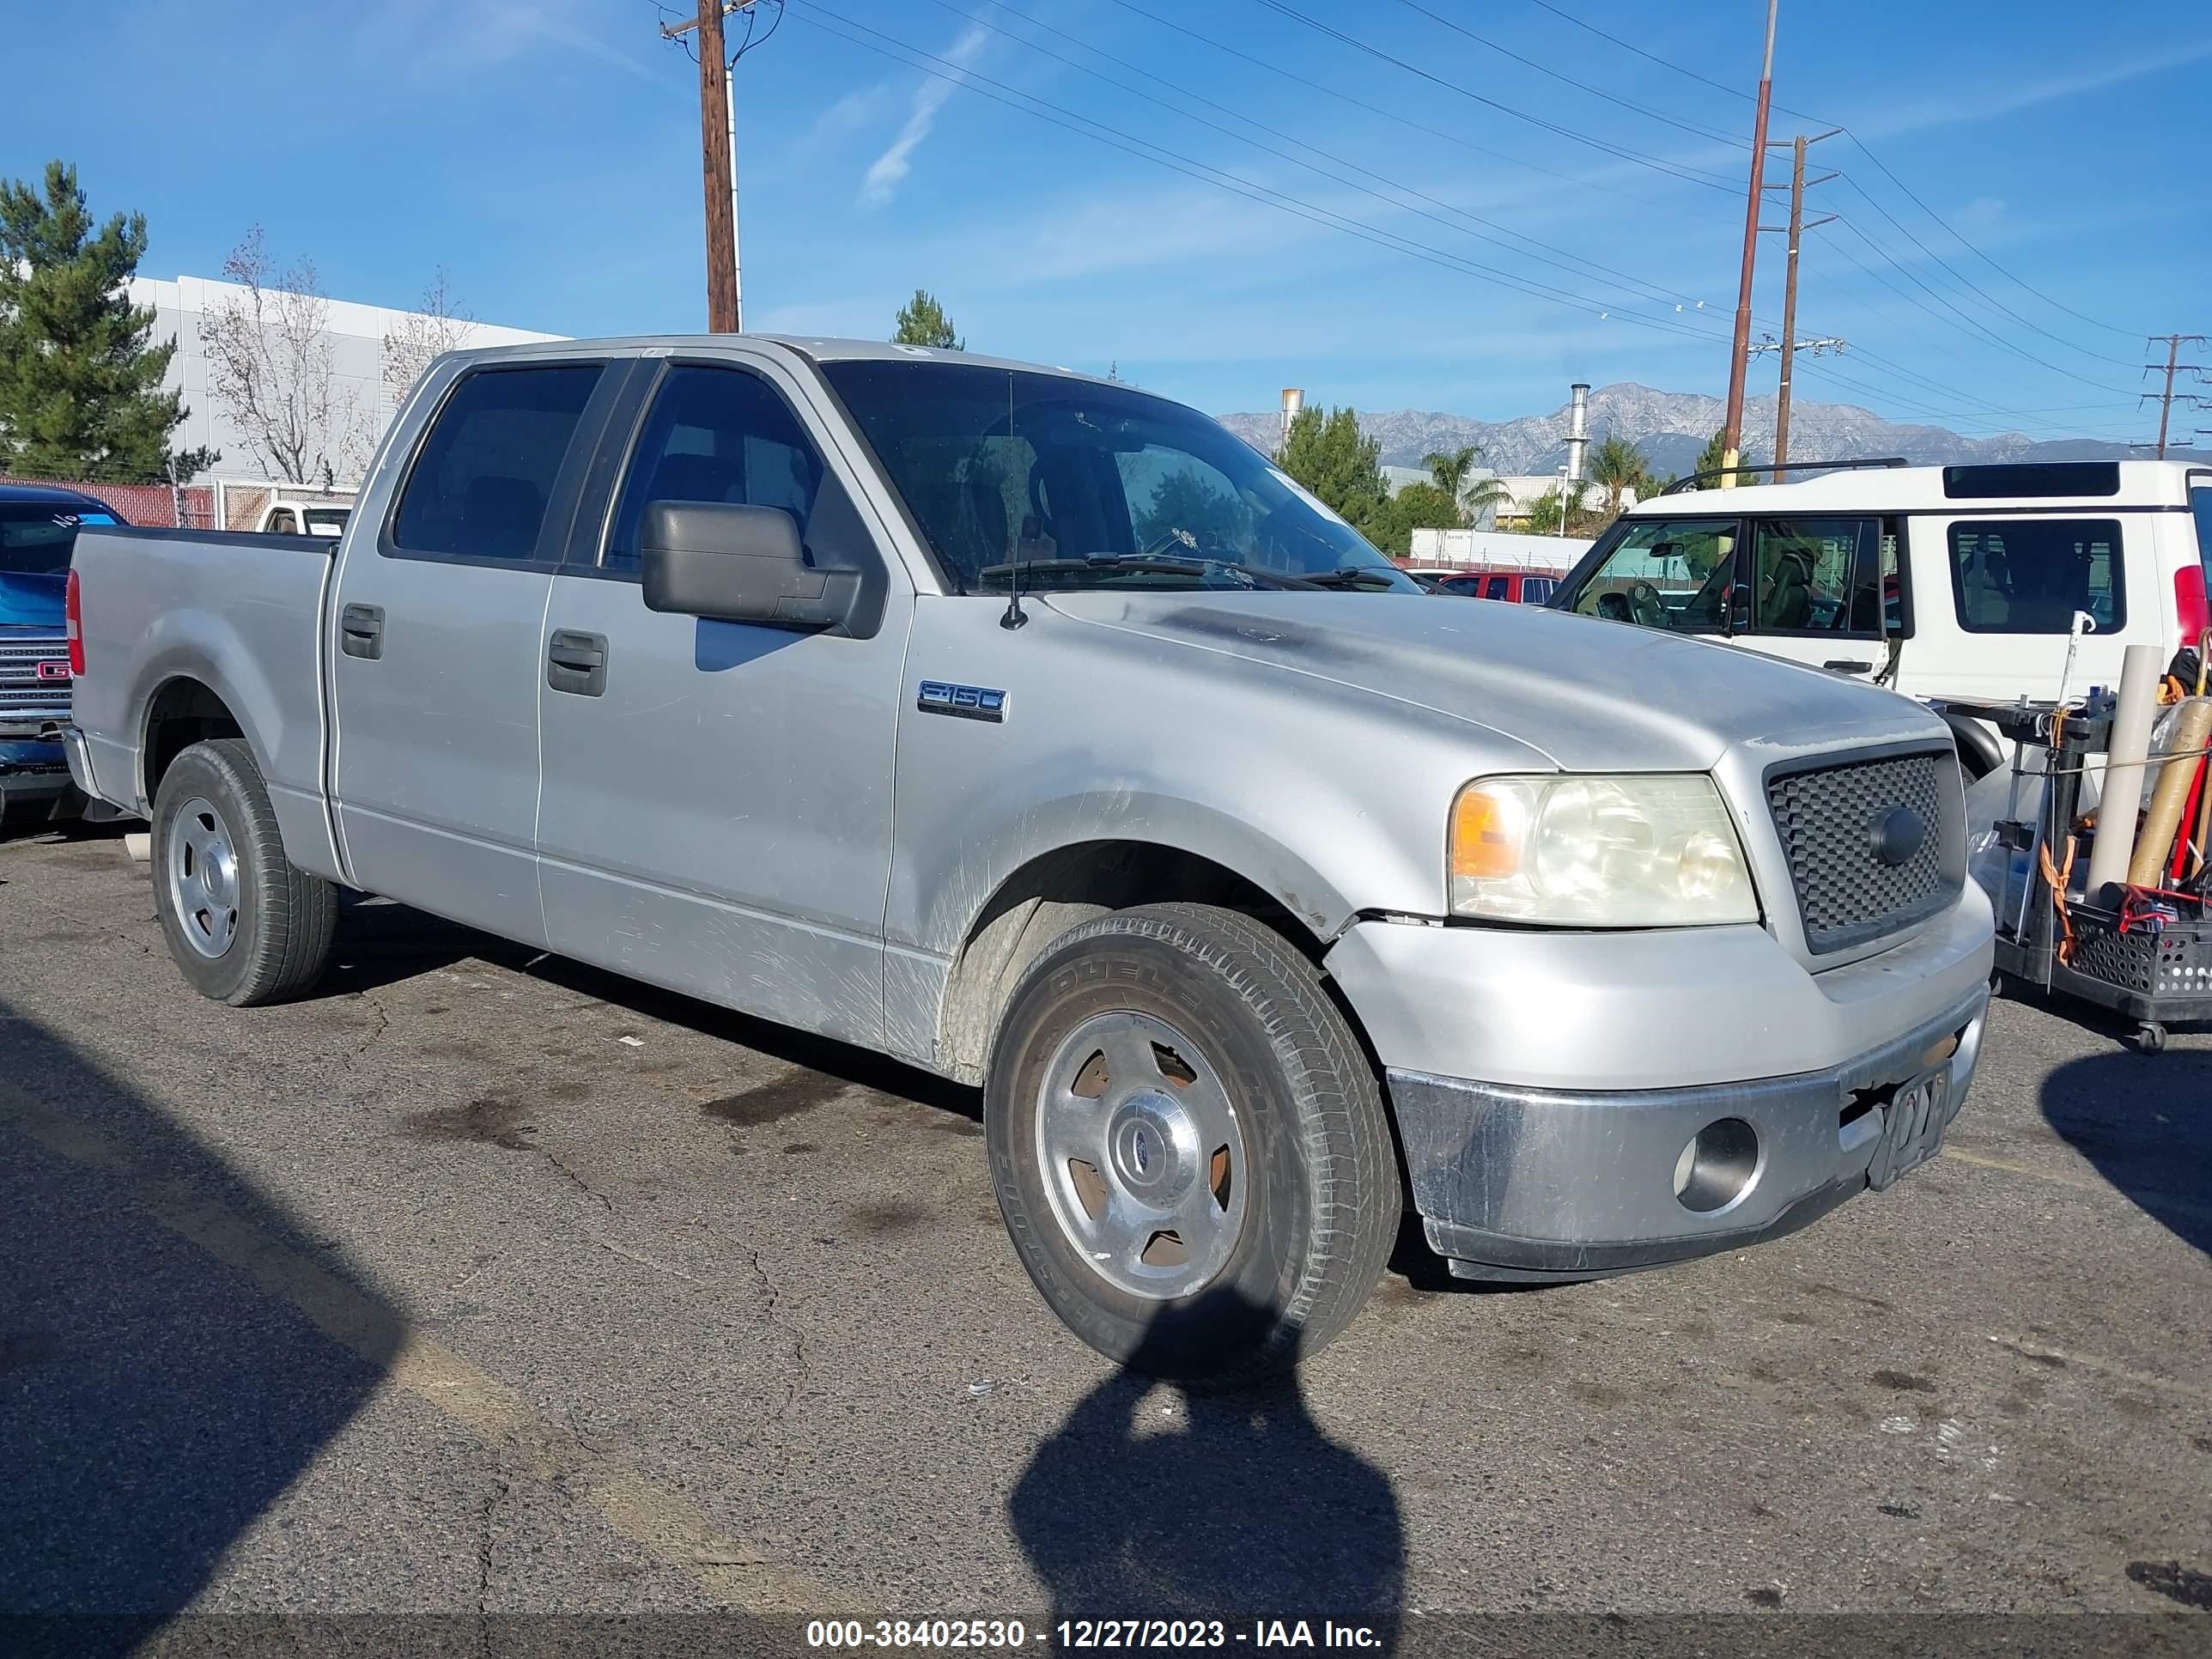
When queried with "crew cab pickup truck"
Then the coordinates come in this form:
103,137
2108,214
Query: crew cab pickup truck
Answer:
1037,731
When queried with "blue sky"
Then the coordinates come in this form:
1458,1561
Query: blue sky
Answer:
544,152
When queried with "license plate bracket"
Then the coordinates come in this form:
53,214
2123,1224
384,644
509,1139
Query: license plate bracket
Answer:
1913,1124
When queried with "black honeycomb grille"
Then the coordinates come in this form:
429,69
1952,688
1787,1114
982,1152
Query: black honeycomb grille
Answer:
1830,822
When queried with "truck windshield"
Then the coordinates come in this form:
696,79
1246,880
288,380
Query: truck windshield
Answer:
1071,483
36,536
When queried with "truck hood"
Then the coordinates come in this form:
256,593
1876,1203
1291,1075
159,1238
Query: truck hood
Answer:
28,601
1592,695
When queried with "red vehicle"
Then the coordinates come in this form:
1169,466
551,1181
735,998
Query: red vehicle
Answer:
1487,582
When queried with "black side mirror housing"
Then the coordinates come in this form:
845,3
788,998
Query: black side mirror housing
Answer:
734,563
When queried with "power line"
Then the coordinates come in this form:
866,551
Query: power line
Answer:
1644,110
1571,262
1388,114
1057,115
1864,148
1688,175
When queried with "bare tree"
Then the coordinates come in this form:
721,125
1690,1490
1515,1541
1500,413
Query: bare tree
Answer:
269,352
440,325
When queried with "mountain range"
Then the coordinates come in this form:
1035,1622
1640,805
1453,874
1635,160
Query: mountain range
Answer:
1670,428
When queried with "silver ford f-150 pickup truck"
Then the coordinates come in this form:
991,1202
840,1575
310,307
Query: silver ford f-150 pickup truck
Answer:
1039,733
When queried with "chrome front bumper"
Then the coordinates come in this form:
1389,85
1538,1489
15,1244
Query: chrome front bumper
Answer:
1523,1183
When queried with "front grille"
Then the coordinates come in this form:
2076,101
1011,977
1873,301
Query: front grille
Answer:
22,691
1830,820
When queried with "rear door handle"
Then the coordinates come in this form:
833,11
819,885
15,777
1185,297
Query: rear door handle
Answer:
361,631
576,663
1844,667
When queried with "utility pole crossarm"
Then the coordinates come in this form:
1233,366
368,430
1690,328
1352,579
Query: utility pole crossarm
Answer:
2170,366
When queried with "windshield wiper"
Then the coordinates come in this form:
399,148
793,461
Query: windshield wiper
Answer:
1352,576
1148,565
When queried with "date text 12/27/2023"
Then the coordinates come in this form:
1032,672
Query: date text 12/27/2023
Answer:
1087,1634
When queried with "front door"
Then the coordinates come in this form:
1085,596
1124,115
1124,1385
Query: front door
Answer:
1814,590
435,657
716,809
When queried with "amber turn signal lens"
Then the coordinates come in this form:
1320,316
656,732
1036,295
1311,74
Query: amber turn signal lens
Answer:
1484,844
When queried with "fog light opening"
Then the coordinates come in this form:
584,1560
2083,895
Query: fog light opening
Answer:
1715,1167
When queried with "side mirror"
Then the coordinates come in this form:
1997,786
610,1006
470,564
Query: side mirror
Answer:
730,564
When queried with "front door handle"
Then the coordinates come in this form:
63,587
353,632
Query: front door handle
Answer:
1847,667
361,631
576,663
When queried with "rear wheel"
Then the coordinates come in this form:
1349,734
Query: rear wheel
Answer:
244,925
1188,1145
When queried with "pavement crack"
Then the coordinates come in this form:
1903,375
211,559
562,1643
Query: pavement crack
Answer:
581,1185
383,1025
495,1494
774,1293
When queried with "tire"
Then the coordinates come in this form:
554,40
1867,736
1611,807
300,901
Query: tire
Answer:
244,925
1208,1009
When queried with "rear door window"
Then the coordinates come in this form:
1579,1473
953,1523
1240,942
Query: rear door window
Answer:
1536,590
2030,575
1665,573
1496,587
485,473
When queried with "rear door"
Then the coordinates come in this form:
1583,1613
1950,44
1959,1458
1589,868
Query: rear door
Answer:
438,651
1998,592
716,811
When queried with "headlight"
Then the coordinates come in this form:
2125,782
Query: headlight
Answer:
1653,851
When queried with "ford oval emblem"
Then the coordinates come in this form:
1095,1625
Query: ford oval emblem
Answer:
1140,1149
1898,834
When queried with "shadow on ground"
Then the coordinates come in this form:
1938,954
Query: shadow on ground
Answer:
154,1400
2145,1123
1155,1499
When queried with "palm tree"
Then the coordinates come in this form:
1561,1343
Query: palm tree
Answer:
1616,467
1451,469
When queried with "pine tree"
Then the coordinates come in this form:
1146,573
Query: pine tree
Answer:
923,322
81,391
1328,456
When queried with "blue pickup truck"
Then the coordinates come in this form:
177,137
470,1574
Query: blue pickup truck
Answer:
37,530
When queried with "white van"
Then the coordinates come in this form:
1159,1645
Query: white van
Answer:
325,520
1941,581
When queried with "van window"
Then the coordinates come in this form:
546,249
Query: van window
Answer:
2030,575
1815,576
1536,590
715,435
1665,573
482,479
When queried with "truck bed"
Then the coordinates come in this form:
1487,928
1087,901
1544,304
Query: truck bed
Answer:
243,611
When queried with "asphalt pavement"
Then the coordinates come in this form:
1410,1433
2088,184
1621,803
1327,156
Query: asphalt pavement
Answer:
482,1282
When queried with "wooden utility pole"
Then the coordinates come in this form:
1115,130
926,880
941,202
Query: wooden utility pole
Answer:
1796,231
718,128
2172,366
1739,354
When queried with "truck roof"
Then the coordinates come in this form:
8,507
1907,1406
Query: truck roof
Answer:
821,348
1925,488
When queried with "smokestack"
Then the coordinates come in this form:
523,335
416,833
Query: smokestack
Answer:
1294,399
1577,429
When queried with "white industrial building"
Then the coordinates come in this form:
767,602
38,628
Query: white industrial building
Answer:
356,335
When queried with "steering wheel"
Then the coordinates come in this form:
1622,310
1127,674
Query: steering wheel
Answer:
1647,607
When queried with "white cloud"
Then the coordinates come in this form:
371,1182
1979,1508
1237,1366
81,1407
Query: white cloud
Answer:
1955,107
889,171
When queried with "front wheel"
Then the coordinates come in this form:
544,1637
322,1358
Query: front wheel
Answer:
1189,1145
244,925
